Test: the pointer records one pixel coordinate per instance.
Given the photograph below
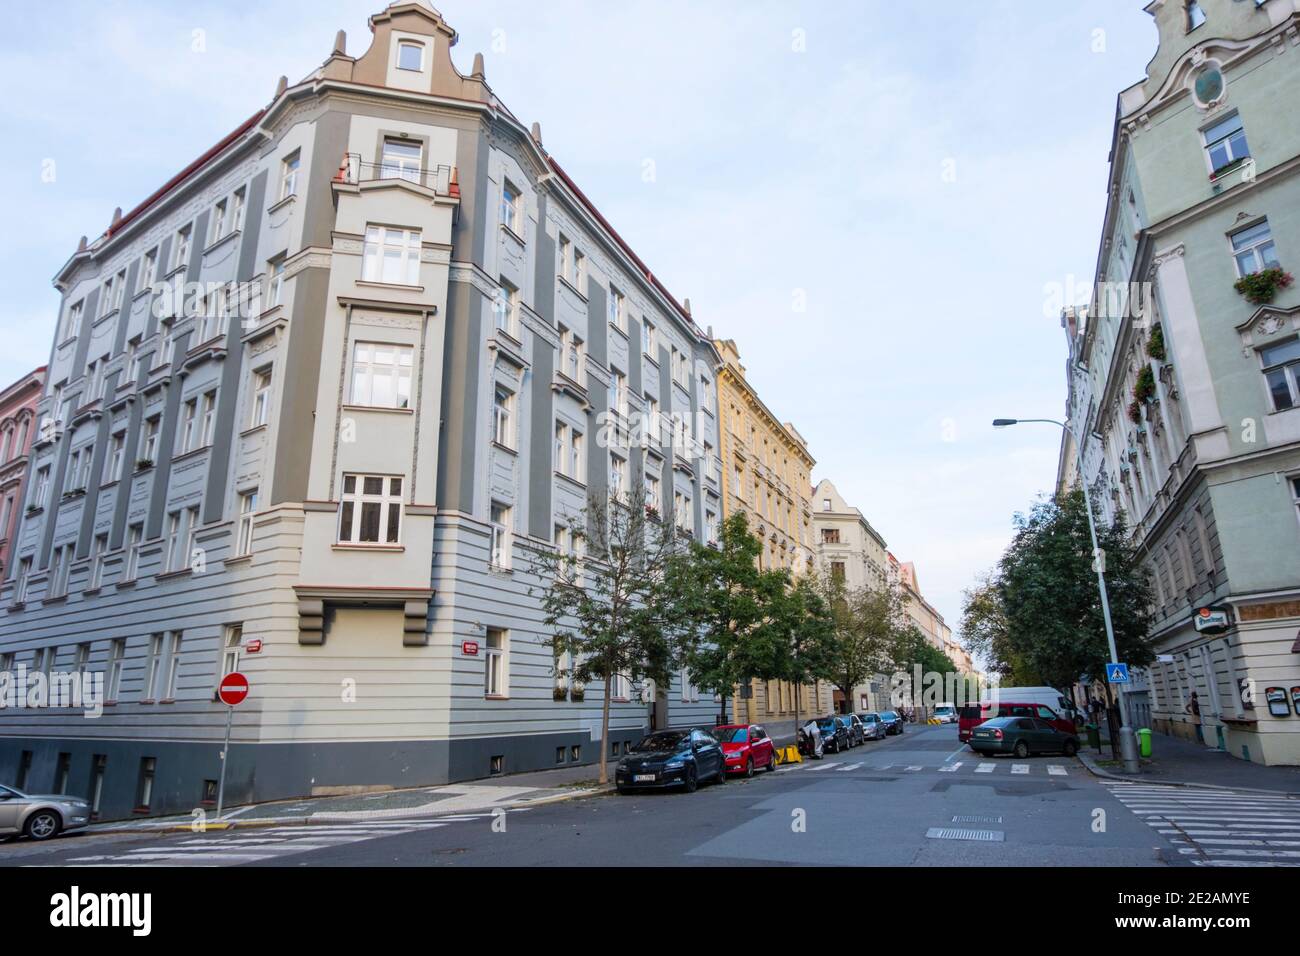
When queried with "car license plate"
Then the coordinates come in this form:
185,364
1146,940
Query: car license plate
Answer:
643,778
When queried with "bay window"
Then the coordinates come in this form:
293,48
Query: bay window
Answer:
370,511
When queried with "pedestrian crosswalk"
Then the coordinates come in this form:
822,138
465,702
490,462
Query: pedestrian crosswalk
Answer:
1213,827
957,767
256,845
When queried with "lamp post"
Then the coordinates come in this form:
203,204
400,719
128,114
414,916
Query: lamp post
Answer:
1127,739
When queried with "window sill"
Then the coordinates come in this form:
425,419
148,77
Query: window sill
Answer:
167,700
569,478
282,202
221,241
90,592
109,484
54,599
572,288
192,453
168,575
238,559
505,448
650,358
378,408
620,330
390,548
495,697
252,430
500,569
510,231
399,286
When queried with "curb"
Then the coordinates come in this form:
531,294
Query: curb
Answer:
1089,762
325,817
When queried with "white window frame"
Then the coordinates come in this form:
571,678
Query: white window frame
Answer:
98,549
511,207
405,45
496,674
261,401
359,498
649,339
22,579
619,470
116,658
367,370
617,309
500,519
131,558
507,308
153,669
181,246
1255,249
397,165
654,492
173,665
1289,369
116,457
289,174
247,512
148,270
379,242
232,647
503,415
274,282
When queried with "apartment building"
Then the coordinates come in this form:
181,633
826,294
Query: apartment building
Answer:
310,408
17,433
767,468
1183,376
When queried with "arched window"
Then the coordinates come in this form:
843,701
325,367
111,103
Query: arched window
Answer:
410,55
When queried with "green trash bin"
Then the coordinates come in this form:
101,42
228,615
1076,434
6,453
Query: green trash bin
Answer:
1094,736
1144,741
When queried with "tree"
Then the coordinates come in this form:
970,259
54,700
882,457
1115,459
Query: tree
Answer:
806,621
609,611
986,632
867,622
731,609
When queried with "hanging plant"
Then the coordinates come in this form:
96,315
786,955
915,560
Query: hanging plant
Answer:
1145,388
1260,287
1156,343
1134,412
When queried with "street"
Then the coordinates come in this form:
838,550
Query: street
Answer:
917,799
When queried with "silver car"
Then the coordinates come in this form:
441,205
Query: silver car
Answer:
40,816
873,728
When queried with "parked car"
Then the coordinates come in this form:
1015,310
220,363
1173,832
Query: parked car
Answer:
856,733
972,715
40,816
672,758
746,747
892,721
945,714
1021,736
809,741
835,735
873,728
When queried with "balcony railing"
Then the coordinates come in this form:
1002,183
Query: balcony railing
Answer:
441,179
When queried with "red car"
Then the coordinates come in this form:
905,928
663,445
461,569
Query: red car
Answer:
972,715
746,748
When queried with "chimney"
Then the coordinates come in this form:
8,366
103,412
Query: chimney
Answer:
281,85
537,133
686,304
340,44
477,72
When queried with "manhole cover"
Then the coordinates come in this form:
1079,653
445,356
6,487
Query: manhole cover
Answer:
977,819
961,833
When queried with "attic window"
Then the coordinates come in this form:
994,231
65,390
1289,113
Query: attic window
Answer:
1195,15
410,56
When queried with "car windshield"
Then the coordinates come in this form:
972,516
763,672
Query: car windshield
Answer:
731,735
889,715
868,718
999,722
943,710
826,722
667,740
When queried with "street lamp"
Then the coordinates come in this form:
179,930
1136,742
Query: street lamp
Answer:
1127,740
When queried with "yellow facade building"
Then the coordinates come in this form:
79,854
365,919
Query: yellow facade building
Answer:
767,475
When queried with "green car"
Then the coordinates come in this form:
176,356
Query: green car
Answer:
1021,736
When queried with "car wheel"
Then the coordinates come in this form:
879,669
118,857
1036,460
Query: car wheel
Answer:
43,824
771,762
722,773
749,767
1022,749
691,782
1071,748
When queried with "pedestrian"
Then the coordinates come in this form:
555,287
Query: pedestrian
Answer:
1194,708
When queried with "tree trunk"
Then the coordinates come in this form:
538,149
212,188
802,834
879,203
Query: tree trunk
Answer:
604,731
798,689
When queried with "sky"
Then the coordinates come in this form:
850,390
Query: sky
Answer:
878,201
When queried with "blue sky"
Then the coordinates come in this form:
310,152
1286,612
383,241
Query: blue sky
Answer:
918,174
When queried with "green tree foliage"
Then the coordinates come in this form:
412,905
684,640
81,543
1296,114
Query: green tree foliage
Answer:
868,623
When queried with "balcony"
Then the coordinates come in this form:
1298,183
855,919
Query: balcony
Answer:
442,180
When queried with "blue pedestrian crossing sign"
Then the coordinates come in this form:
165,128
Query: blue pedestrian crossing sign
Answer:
1116,673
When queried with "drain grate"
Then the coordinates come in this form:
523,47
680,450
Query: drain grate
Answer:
961,833
977,819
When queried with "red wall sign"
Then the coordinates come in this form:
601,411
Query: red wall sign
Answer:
233,689
254,646
470,648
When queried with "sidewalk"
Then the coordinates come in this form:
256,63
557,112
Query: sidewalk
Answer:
471,797
1179,762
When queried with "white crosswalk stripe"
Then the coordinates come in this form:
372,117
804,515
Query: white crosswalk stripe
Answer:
848,766
986,768
231,849
960,767
951,767
1020,768
1211,827
1056,770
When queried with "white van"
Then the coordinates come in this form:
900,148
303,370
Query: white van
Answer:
1050,696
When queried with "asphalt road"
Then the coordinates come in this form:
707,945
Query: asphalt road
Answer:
884,803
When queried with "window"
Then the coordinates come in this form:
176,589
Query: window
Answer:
132,363
189,415
837,570
371,510
261,398
20,580
152,669
494,681
510,207
653,428
220,220
503,404
149,439
391,255
649,339
144,789
1281,364
275,284
573,355
71,321
566,258
683,518
41,493
620,687
653,494
410,55
289,175
181,247
1225,142
617,309
618,480
116,654
826,504
506,307
208,420
61,773
82,659
97,550
172,558
711,527
166,345
710,473
116,455
59,566
98,767
617,396
173,666
244,534
131,560
568,451
500,556
237,209
400,160
1252,249
830,535
381,375
231,649
1195,15
191,535
148,269
214,314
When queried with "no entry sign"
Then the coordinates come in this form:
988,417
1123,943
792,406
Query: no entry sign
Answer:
233,689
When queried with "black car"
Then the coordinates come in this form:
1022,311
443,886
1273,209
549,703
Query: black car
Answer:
835,733
857,732
672,758
893,722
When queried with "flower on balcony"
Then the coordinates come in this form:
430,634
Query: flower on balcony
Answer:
1135,411
1260,287
1144,389
1156,343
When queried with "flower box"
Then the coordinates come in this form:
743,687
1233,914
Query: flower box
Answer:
1259,288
